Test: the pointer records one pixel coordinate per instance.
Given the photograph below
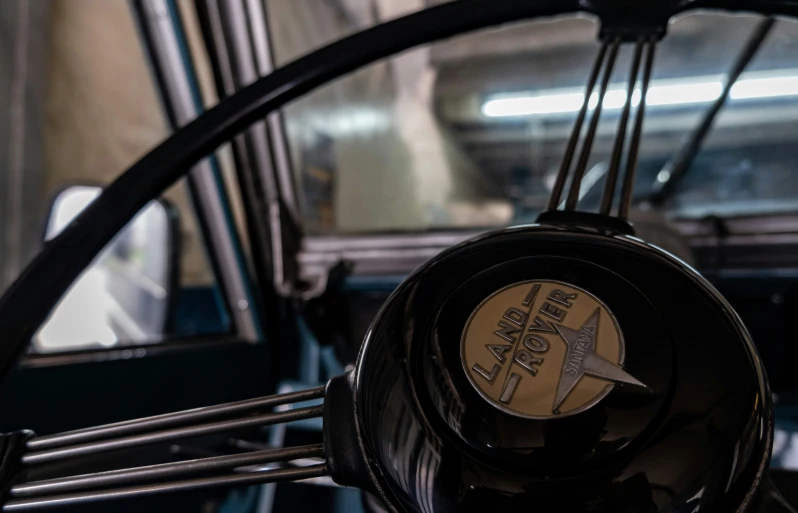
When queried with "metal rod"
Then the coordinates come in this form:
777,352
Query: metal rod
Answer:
620,137
581,165
565,166
675,169
268,476
166,470
637,134
169,420
267,419
175,79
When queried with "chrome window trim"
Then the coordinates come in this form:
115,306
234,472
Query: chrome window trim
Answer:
377,254
211,202
766,223
397,254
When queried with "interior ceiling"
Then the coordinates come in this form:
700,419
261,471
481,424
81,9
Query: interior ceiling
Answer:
530,57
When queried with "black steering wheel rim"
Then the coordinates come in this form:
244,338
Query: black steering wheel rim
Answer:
65,257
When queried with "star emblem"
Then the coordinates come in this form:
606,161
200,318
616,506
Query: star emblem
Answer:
527,346
581,359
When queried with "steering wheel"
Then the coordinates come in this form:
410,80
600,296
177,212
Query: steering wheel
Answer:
562,366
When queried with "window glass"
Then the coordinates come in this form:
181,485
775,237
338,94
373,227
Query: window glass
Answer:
469,132
747,164
100,112
744,165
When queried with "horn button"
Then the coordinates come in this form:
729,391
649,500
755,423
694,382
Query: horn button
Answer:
565,371
556,363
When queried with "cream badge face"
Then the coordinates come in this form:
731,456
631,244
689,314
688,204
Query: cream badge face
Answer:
541,349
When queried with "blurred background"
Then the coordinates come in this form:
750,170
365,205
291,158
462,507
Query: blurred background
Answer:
463,134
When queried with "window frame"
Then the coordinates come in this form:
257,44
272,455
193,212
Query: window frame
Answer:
174,74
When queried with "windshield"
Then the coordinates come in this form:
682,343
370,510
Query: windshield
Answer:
469,132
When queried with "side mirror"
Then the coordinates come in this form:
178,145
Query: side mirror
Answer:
127,296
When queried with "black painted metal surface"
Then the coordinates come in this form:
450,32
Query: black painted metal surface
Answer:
699,440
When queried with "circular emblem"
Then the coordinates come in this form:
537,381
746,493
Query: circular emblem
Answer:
541,349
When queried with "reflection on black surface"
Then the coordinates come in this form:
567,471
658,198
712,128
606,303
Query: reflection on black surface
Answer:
695,443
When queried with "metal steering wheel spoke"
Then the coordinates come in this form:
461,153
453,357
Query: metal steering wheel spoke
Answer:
51,447
570,149
645,46
587,144
617,150
381,436
637,135
201,473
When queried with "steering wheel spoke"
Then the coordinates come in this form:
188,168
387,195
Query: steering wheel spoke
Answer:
244,479
265,465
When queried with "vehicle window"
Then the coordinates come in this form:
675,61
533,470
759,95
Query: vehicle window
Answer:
99,112
747,164
469,132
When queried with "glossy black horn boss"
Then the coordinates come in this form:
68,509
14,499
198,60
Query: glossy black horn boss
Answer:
566,366
665,401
